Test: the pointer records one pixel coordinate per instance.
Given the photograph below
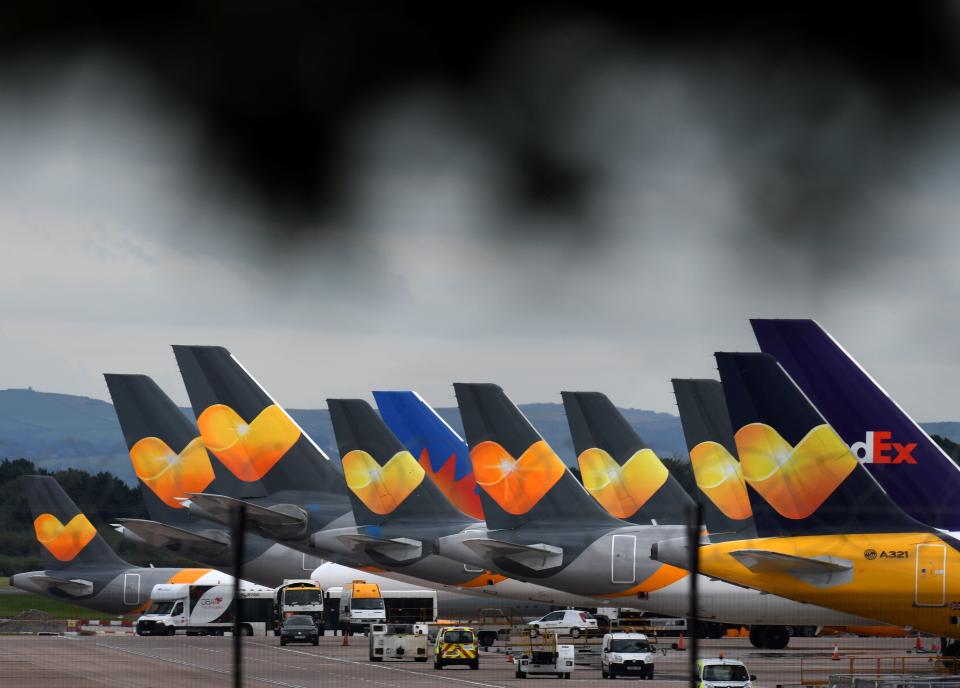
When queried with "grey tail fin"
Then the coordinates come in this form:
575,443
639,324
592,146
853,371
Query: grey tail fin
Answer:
166,450
273,449
605,443
401,493
722,491
66,536
521,478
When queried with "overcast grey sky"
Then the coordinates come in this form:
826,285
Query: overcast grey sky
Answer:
717,191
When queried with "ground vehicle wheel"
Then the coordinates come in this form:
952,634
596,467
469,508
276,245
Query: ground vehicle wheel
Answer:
316,642
283,641
437,665
534,631
576,632
246,630
756,637
775,637
420,659
519,674
171,630
376,659
474,665
604,674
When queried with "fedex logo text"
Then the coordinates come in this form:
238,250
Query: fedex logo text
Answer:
879,449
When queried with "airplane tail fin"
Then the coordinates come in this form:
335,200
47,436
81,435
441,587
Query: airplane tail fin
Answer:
809,480
618,468
910,466
440,450
166,450
521,478
246,430
709,437
66,535
384,479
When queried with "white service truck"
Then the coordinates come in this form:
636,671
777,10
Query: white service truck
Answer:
399,641
207,610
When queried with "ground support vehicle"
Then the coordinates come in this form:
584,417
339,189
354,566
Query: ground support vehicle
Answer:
542,654
207,610
572,622
627,654
456,645
726,673
398,641
299,597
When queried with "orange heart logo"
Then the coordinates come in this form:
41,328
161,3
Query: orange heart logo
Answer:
720,478
64,541
248,450
516,484
622,490
382,488
795,481
168,474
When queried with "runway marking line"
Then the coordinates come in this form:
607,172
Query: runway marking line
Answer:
421,674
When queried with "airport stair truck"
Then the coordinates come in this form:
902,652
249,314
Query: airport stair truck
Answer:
398,641
542,654
207,610
298,598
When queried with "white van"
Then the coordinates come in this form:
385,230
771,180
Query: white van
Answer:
627,654
570,622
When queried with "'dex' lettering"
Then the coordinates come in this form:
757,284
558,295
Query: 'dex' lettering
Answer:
879,449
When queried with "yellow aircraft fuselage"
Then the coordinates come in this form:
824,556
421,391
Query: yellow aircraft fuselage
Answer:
904,579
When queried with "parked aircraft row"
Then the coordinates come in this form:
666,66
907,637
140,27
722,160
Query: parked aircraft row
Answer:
825,505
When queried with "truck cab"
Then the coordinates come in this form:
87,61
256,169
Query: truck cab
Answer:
361,604
627,654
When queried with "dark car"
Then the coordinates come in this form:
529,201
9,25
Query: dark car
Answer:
299,629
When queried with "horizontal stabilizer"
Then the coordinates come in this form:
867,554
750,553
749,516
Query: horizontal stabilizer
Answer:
398,549
75,587
821,572
212,542
282,521
537,557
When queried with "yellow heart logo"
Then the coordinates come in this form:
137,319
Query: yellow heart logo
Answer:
516,484
248,450
64,541
720,478
382,488
795,481
622,490
168,474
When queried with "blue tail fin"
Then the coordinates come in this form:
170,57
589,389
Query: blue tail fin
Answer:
808,478
442,453
914,471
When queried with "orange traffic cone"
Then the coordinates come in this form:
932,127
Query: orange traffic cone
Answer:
836,653
918,646
935,648
509,657
681,645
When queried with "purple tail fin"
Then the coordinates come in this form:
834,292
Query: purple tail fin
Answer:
914,471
